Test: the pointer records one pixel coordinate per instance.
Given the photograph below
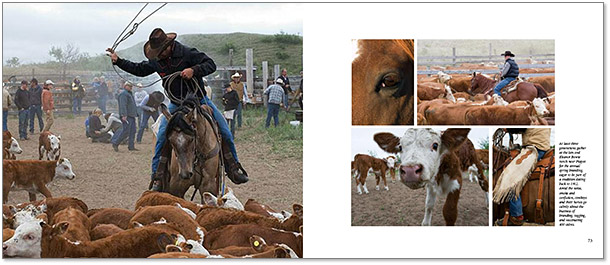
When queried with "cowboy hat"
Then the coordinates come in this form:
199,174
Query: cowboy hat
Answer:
157,42
507,53
279,81
158,96
236,75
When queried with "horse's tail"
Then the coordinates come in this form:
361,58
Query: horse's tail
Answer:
541,92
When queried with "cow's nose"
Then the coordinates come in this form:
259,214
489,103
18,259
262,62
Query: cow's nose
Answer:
4,247
411,173
186,175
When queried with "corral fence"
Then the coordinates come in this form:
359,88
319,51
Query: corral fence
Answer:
528,61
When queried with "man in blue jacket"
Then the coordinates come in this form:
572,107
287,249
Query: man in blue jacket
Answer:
510,72
127,111
167,56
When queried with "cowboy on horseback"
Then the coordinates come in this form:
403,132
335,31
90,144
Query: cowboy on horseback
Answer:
510,72
167,56
540,139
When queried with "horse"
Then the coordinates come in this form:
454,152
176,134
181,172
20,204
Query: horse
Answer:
525,90
195,145
383,83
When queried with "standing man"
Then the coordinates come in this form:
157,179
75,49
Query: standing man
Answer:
48,105
240,88
127,111
78,93
276,93
298,95
139,95
285,86
150,108
22,100
231,101
102,93
35,105
7,101
167,56
510,72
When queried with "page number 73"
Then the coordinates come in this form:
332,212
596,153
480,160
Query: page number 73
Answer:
589,240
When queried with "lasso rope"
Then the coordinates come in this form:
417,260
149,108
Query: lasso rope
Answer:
124,36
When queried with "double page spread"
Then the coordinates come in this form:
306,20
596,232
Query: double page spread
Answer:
178,130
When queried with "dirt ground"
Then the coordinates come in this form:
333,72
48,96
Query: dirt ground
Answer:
105,178
402,206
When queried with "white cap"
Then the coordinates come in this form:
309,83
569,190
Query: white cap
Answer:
139,85
279,81
49,82
236,74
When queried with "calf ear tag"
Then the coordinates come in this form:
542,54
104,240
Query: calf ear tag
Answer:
256,243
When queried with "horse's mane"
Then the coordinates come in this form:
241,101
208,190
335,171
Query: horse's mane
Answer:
406,46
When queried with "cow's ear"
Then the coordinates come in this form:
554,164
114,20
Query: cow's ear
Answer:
297,209
281,253
59,137
13,209
257,243
43,217
454,138
172,248
388,142
59,229
163,240
210,199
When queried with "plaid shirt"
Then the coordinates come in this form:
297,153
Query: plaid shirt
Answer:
276,94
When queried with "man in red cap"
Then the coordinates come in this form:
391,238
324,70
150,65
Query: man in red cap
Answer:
167,56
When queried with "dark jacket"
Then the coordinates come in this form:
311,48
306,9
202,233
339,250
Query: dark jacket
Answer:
22,99
127,105
95,124
36,95
102,89
182,57
78,91
230,100
514,68
152,103
286,85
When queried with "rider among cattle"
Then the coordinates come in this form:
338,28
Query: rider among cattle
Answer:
167,56
510,72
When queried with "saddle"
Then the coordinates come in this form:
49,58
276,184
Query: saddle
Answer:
538,193
512,86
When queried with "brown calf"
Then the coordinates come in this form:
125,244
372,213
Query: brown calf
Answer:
79,227
10,146
239,235
501,115
265,210
56,204
152,198
49,146
103,231
116,216
33,175
132,243
430,90
379,166
211,218
174,216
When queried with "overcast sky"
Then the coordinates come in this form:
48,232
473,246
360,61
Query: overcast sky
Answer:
30,29
362,138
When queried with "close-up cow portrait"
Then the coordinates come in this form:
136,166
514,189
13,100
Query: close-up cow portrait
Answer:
383,83
438,162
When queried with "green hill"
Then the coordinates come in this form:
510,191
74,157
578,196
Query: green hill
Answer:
283,49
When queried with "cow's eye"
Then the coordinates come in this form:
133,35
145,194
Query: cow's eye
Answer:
66,167
434,146
28,237
389,81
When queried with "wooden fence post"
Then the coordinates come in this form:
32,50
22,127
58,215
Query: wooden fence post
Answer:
230,57
490,51
249,70
276,71
265,78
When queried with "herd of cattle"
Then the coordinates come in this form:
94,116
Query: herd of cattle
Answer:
436,161
444,99
162,225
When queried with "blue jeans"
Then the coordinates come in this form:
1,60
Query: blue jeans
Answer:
237,115
4,120
515,206
502,84
36,110
222,126
285,100
24,116
273,110
101,103
144,122
129,129
77,104
116,135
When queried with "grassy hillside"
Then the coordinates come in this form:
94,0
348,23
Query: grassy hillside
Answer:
283,49
481,47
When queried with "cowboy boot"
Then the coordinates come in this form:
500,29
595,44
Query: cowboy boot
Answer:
236,173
